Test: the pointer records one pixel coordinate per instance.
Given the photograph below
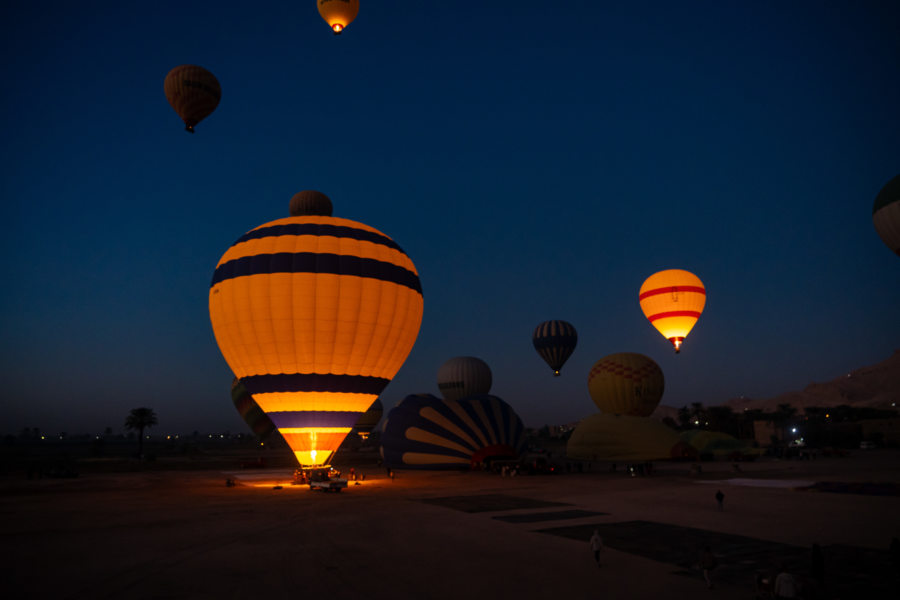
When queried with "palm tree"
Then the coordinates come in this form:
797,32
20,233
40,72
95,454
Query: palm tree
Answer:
140,418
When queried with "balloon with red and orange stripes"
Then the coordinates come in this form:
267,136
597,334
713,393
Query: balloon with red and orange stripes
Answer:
672,301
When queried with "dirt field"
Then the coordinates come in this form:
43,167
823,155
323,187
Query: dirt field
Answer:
184,534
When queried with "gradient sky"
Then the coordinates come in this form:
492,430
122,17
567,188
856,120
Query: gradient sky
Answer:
536,160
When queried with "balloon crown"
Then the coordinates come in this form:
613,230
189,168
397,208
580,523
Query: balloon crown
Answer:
310,203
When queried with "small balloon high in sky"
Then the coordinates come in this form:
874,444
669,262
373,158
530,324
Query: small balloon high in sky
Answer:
338,13
193,92
315,315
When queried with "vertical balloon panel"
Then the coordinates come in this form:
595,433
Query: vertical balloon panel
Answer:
315,315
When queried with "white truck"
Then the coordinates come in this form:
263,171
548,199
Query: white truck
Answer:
326,479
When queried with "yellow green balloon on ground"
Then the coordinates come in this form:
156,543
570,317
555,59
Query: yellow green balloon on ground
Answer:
626,383
719,444
605,437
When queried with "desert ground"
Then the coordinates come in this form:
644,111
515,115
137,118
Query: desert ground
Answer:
185,534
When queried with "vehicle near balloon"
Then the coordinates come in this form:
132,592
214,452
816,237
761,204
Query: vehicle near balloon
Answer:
464,376
555,341
193,92
672,301
338,13
325,478
426,432
626,383
886,214
315,314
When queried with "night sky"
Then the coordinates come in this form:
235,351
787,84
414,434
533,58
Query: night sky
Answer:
536,160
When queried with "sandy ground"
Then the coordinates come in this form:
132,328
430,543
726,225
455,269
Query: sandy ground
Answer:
444,535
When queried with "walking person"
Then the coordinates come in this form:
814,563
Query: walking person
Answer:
708,563
720,499
785,584
596,546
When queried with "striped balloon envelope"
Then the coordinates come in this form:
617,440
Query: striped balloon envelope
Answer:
886,214
425,432
258,422
626,383
193,92
672,301
555,341
464,376
315,315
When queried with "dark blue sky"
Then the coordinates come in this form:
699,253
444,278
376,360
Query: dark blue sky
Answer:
536,160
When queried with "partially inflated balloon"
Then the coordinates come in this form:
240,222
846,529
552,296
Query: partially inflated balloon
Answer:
626,384
338,13
316,315
258,422
369,420
464,376
886,214
193,92
672,301
555,341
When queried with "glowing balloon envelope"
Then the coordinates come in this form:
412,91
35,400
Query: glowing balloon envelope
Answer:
315,315
338,13
193,92
555,341
672,301
626,384
464,376
886,214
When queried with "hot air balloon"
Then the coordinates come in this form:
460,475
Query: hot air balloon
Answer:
425,432
464,376
193,92
672,301
886,214
555,341
624,439
315,315
260,424
338,13
626,384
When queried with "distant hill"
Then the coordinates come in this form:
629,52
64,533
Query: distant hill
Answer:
877,386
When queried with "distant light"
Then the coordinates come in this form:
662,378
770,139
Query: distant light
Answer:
221,436
827,416
696,422
43,438
793,430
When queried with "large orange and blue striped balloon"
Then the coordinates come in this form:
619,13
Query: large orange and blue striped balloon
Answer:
555,341
886,214
315,315
672,301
